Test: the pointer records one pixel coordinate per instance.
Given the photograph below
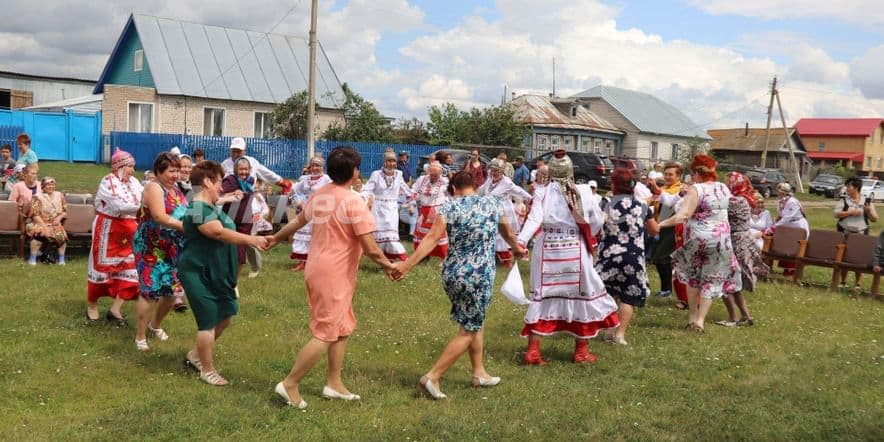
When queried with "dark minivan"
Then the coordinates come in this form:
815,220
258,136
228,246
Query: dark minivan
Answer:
587,166
765,181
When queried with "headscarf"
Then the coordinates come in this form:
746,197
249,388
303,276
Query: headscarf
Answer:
759,203
121,159
542,177
785,188
434,165
561,171
47,180
389,154
496,164
622,181
244,184
740,185
317,161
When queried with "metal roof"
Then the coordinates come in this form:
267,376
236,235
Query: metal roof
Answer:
752,140
647,112
838,127
88,103
537,110
199,60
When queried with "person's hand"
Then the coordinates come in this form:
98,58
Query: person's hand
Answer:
398,272
877,269
286,186
520,252
238,194
259,242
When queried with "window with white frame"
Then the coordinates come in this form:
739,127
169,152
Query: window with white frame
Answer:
262,125
585,144
654,150
675,151
568,141
554,140
541,141
213,122
598,145
138,63
611,146
140,117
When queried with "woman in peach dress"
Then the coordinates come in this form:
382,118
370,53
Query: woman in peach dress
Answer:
342,229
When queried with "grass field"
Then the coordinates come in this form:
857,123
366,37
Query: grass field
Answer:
809,369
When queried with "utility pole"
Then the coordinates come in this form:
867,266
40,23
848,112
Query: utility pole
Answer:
311,97
554,78
795,166
773,91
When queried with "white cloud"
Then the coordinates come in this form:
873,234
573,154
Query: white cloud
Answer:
437,90
865,12
867,72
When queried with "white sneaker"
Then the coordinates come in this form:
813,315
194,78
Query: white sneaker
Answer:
253,274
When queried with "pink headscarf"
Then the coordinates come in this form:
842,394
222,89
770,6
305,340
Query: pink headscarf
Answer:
121,159
740,185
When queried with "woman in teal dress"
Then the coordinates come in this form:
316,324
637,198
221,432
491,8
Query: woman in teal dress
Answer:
472,223
156,246
208,266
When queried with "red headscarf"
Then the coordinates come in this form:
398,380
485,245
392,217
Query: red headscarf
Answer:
740,185
622,181
704,166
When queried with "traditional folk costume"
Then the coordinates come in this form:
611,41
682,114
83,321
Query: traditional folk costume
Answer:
385,187
504,189
567,295
111,267
301,192
430,196
790,214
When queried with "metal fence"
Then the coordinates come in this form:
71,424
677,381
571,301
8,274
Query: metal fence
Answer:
285,157
8,135
63,136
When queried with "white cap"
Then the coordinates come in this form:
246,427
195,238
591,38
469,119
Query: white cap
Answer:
238,143
593,184
175,151
19,168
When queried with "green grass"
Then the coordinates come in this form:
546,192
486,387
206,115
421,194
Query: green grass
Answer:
809,369
74,177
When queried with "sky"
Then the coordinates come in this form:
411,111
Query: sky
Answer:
713,59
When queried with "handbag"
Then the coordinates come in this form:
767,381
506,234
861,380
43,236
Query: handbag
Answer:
512,287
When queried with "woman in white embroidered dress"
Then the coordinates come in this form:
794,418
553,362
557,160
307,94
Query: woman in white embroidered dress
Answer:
384,187
306,185
789,214
430,191
567,295
500,186
111,268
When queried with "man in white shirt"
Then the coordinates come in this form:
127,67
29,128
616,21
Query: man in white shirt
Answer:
259,171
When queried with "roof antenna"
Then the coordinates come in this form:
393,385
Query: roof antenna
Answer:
554,78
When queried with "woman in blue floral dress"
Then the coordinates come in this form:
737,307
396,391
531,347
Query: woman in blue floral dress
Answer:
706,262
156,247
621,262
472,223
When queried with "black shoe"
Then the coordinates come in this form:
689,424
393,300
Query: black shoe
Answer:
181,308
120,322
90,320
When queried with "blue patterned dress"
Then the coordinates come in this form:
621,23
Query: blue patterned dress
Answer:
468,270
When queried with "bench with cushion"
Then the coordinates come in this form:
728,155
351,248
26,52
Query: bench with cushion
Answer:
823,248
79,223
78,198
12,225
859,256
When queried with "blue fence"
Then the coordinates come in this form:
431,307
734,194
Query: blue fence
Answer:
64,136
285,157
8,135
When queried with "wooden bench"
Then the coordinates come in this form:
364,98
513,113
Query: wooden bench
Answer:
859,256
782,245
79,223
823,248
12,225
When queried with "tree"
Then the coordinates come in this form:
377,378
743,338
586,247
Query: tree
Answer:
289,119
493,126
362,121
693,147
410,131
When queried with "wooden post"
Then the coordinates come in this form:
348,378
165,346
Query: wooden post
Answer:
792,159
773,90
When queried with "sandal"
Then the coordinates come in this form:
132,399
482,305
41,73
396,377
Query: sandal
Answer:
727,323
158,332
141,345
681,306
213,378
745,322
193,362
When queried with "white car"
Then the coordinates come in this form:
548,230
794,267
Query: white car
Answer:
873,189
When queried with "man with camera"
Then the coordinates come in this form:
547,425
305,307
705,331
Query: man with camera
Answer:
853,216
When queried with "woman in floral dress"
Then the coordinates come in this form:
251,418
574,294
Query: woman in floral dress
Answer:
472,223
156,246
706,261
746,249
44,223
621,263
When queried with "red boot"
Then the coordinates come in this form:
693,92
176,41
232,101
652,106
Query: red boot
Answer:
582,354
532,356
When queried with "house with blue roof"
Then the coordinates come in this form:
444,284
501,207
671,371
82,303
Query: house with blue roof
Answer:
172,76
655,130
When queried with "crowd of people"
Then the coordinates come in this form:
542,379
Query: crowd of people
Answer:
187,231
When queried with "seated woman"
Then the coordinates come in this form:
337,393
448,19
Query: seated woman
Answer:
44,221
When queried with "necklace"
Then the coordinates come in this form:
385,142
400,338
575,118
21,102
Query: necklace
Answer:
388,179
432,189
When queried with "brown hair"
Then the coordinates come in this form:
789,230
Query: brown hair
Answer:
23,138
679,169
461,180
164,161
206,169
704,167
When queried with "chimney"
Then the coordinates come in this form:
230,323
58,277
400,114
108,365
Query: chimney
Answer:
551,95
514,95
747,130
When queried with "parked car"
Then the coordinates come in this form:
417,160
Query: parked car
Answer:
766,180
458,155
831,186
872,189
587,166
628,163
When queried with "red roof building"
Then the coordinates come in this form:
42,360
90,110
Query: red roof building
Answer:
856,142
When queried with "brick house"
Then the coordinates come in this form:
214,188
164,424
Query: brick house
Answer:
171,76
856,142
558,123
655,130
